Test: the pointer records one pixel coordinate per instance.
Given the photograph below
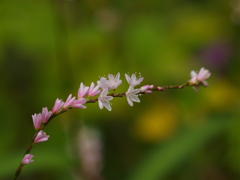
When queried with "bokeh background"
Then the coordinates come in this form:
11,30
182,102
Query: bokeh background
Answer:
48,47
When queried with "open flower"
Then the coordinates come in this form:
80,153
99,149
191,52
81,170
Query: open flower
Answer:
114,82
46,114
132,95
133,81
37,120
201,76
27,159
103,83
41,137
103,100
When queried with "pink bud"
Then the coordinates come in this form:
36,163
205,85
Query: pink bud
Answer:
41,137
144,88
27,159
37,121
69,101
79,103
57,106
82,91
45,114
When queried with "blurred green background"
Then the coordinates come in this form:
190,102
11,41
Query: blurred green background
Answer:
48,47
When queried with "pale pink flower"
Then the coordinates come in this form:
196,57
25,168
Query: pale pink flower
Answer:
41,137
201,76
133,81
27,159
82,91
103,100
93,91
79,103
103,83
114,82
57,106
146,89
69,101
132,96
37,121
46,114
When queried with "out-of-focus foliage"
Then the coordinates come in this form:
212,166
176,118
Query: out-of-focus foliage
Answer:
48,47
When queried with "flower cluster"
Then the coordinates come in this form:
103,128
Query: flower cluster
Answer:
102,88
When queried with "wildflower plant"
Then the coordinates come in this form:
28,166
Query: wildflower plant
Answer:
102,90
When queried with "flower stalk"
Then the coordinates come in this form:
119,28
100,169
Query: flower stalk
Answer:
104,85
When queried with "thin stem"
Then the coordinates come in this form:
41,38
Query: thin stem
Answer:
157,88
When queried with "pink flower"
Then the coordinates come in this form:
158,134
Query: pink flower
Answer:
132,95
46,114
103,100
27,159
69,101
41,137
202,75
37,121
82,91
93,91
57,106
133,81
79,103
114,82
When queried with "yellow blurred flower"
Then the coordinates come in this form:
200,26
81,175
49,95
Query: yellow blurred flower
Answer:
157,123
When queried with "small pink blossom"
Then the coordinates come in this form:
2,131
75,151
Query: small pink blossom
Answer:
93,91
114,82
69,101
41,137
37,121
82,91
133,81
27,159
103,100
79,103
57,106
46,114
201,76
132,95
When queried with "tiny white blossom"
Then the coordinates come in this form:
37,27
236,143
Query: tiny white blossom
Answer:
103,83
132,95
199,77
133,81
103,100
114,82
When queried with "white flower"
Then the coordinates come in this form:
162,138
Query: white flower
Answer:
132,95
103,83
103,100
201,76
133,81
114,82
